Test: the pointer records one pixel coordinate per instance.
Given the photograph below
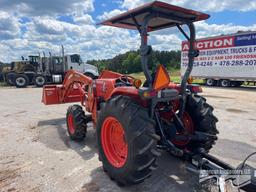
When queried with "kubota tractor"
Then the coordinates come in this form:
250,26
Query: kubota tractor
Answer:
133,122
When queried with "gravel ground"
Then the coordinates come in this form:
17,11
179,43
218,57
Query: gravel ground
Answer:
37,155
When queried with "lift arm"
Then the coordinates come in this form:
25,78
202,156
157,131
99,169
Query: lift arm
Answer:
71,90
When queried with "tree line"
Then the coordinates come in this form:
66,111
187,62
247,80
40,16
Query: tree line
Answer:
129,62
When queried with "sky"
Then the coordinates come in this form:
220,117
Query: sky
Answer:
33,26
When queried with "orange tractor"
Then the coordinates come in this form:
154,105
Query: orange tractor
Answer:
133,121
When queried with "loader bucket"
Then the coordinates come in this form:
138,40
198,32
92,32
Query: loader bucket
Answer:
50,94
53,94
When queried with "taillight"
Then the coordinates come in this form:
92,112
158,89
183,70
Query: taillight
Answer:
147,93
195,88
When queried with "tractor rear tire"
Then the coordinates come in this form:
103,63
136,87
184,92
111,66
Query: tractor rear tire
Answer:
126,141
76,123
21,81
203,120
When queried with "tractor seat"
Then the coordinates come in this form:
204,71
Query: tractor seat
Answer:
145,84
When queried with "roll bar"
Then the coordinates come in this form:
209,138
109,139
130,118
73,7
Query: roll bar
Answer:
145,48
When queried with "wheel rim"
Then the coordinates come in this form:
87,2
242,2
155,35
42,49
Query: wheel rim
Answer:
40,80
209,82
71,126
20,81
189,129
224,83
113,142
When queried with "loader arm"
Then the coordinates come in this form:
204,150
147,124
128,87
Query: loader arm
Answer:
71,90
73,80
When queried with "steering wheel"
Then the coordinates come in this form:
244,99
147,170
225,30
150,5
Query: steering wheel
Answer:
126,79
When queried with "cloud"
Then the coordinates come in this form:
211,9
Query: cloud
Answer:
84,19
43,30
49,26
17,43
9,26
50,29
107,15
46,7
206,5
170,39
7,52
165,42
129,4
47,34
205,30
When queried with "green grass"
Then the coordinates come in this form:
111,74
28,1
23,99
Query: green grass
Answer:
138,76
3,84
174,75
248,85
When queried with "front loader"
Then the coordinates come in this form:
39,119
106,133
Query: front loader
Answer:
134,122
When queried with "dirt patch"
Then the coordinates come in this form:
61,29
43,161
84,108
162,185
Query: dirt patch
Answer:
53,134
218,97
8,162
235,149
11,189
38,141
236,110
32,127
7,176
90,187
20,112
253,140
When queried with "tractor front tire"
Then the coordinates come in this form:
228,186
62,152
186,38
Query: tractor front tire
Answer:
76,123
126,141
